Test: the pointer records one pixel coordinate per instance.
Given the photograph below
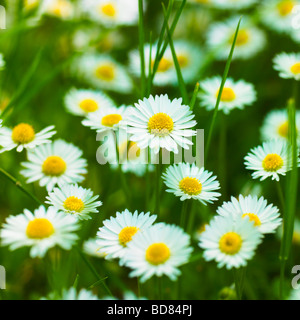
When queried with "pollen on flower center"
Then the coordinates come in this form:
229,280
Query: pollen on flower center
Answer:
191,186
88,105
283,129
111,119
39,228
164,65
272,162
23,133
126,235
242,37
158,253
54,166
230,243
106,72
74,204
296,68
160,124
109,10
228,94
285,7
252,217
183,60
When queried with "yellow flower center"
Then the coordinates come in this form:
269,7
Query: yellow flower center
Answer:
296,237
242,37
183,61
106,72
296,68
109,10
160,124
285,7
253,217
54,166
126,235
133,150
111,119
230,243
191,186
157,253
272,162
283,129
39,228
23,133
164,65
88,105
228,94
74,204
61,8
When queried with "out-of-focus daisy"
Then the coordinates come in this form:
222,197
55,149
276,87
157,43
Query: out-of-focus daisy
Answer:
278,14
233,4
288,65
2,61
127,295
294,295
107,119
119,231
30,4
92,248
56,163
191,182
41,230
74,200
272,159
72,294
159,251
189,58
230,242
161,123
249,42
63,9
266,217
201,228
234,95
276,125
23,137
296,233
81,102
112,12
102,71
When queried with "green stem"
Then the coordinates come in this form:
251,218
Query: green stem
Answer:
191,218
280,195
194,97
141,46
239,277
183,213
222,156
157,185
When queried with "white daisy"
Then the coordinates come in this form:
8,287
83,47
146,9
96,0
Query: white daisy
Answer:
72,294
56,163
107,119
249,42
161,123
81,102
296,233
276,125
266,217
102,71
41,230
272,159
63,9
23,137
118,232
230,242
233,4
91,248
278,14
191,182
112,12
2,62
159,251
288,65
74,200
234,95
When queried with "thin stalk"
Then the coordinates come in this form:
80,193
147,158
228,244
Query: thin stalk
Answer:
194,97
19,186
191,218
157,185
239,278
222,155
183,213
280,195
141,46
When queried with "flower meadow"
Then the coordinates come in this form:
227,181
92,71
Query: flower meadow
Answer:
149,149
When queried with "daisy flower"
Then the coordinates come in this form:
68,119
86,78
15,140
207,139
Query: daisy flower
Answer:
265,217
119,231
233,4
74,200
23,137
272,159
278,14
30,4
107,119
40,230
230,242
188,181
158,122
72,294
159,251
63,9
296,233
249,42
81,102
56,163
103,72
2,62
112,13
276,125
91,248
288,65
234,95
